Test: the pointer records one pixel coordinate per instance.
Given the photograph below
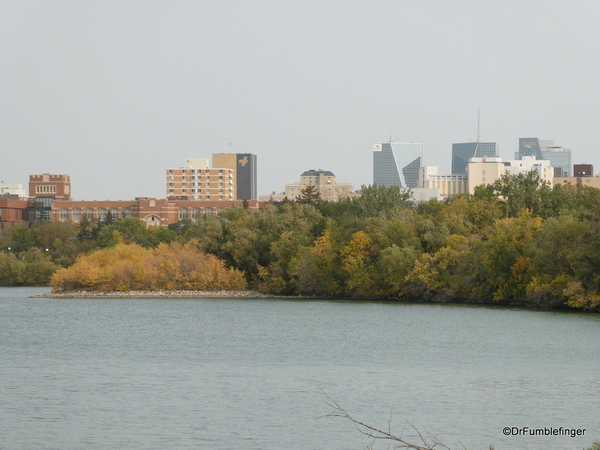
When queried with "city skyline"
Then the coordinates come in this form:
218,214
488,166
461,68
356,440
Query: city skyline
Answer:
112,93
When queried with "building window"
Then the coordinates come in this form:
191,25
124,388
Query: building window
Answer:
115,213
183,213
102,214
208,211
64,214
45,189
195,213
76,215
127,212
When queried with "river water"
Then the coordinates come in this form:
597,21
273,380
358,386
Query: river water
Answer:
222,374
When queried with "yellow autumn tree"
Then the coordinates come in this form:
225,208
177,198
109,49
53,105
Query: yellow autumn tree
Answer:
132,267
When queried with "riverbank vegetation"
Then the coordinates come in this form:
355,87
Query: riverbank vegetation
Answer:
517,241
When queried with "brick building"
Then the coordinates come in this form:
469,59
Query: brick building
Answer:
155,212
48,185
198,181
231,177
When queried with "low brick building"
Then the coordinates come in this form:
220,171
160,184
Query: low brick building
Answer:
155,212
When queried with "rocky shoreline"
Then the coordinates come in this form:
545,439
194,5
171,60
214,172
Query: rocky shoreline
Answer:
161,294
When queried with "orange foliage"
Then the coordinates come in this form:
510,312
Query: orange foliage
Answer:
131,267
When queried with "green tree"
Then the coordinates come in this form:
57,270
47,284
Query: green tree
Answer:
524,191
22,238
314,269
309,195
133,230
377,198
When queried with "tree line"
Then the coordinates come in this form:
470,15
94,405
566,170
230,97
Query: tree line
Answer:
518,241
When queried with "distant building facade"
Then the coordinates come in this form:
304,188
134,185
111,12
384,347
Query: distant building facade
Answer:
244,166
559,157
447,185
397,164
12,209
49,185
44,189
13,189
583,170
231,177
464,151
484,171
582,174
197,181
155,212
325,183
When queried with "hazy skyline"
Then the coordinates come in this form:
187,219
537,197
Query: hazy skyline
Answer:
113,93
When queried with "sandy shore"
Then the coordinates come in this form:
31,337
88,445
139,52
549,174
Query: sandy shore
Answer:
160,294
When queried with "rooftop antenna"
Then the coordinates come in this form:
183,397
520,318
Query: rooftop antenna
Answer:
477,145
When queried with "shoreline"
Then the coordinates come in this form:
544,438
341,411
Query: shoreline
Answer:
164,294
249,294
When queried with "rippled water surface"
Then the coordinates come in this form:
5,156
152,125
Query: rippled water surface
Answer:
224,374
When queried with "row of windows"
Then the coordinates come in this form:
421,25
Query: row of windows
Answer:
198,171
45,189
185,213
199,178
101,214
208,185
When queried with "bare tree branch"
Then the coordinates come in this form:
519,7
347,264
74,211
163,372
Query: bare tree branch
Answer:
429,441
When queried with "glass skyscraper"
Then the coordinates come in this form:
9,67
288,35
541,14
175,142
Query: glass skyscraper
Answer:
559,157
397,164
462,152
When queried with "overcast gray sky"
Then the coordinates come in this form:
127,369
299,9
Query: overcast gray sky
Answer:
115,92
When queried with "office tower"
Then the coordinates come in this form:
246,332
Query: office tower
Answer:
462,152
559,157
244,167
397,164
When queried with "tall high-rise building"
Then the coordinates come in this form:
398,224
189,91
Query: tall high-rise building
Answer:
462,152
559,157
397,164
244,167
231,177
198,181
